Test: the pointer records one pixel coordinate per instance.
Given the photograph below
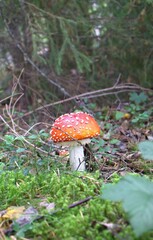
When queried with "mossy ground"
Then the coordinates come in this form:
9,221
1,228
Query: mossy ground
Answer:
84,221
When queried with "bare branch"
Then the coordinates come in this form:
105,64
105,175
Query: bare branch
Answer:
93,94
4,99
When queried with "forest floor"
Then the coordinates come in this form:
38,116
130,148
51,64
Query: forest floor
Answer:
41,198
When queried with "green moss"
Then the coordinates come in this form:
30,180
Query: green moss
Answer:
84,221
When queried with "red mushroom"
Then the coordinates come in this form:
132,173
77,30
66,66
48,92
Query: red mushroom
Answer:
75,130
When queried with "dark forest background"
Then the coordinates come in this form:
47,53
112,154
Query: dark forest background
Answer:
51,50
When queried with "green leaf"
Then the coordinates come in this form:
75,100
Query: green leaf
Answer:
136,195
20,138
20,150
114,141
101,143
119,115
146,149
2,165
138,98
33,136
9,139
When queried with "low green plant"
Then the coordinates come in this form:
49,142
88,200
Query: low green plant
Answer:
29,153
138,98
136,194
119,115
106,148
137,108
146,148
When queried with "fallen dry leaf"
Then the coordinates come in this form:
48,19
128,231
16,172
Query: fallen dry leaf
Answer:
47,205
28,216
11,213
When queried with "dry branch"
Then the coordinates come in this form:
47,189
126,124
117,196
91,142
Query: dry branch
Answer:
93,94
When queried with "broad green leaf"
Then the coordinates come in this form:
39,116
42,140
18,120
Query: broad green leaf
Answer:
33,136
119,115
42,133
20,138
146,149
114,141
20,150
138,98
9,139
136,195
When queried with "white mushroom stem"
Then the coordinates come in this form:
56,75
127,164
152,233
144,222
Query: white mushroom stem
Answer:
77,161
76,153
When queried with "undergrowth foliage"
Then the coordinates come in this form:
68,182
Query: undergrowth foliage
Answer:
39,178
136,194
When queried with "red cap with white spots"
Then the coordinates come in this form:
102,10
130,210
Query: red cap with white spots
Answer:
74,126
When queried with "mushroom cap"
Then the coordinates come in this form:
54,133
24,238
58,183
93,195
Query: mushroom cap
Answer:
74,127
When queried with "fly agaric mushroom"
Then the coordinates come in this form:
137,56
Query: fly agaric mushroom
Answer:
75,130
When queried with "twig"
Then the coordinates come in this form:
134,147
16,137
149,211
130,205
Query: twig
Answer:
36,124
11,107
15,86
110,93
80,202
4,99
117,81
124,87
74,204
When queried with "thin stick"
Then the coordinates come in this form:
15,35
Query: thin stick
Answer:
80,202
4,99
